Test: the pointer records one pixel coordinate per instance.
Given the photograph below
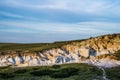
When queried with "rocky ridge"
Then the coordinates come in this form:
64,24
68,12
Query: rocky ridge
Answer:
75,52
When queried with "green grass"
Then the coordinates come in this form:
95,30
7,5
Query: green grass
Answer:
63,72
73,71
32,47
113,73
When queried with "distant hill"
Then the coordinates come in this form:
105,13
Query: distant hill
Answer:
32,47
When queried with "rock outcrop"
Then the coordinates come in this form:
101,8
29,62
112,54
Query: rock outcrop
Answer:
75,52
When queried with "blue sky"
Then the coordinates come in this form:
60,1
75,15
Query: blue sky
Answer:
35,21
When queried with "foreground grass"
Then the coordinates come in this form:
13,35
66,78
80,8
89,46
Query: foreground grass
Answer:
113,73
58,72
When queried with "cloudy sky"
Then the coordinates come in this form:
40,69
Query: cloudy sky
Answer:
33,21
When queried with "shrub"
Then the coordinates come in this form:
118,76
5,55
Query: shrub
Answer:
65,72
69,70
56,66
21,71
6,75
42,72
113,73
35,68
59,75
96,70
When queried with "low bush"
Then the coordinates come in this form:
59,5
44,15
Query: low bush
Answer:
56,66
113,73
56,73
60,75
21,71
6,75
42,72
65,72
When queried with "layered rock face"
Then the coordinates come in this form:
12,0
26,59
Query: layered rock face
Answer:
95,46
74,52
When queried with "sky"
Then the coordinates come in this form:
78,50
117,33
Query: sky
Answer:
41,21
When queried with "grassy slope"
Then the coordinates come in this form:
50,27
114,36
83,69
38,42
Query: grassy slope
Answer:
33,46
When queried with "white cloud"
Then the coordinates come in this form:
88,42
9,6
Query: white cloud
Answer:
11,14
80,6
16,31
101,25
61,28
8,14
107,8
25,4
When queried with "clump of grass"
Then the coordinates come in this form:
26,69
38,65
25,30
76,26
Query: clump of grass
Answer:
42,72
65,72
6,75
56,66
113,73
21,71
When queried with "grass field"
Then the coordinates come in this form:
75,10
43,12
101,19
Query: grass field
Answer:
58,72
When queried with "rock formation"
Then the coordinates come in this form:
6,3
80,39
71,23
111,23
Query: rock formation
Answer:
75,52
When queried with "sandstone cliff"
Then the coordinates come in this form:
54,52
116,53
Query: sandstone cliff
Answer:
74,52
